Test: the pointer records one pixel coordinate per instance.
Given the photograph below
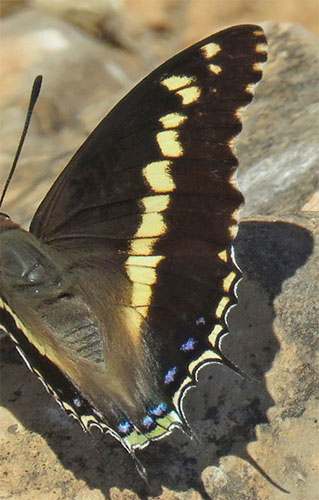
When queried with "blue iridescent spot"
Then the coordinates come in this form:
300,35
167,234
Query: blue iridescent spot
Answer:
125,427
77,402
189,345
200,321
148,422
159,410
170,375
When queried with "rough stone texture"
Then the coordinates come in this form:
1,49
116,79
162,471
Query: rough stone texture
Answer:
278,149
140,23
82,81
274,329
210,15
312,205
8,7
102,19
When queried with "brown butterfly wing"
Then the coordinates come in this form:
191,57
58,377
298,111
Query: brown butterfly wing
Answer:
145,213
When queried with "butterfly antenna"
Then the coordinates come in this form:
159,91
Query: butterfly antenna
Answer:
33,99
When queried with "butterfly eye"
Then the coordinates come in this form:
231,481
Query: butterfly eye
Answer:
4,216
36,275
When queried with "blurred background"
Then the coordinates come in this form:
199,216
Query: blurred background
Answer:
90,54
116,20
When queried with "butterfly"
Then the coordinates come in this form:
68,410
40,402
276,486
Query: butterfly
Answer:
119,293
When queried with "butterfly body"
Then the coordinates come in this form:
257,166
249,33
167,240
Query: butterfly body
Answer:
120,292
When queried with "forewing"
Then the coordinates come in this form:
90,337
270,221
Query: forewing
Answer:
153,189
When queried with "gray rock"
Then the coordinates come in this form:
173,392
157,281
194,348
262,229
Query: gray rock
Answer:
278,148
100,18
82,81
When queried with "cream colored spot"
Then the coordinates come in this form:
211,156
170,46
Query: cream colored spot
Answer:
250,88
143,311
86,420
144,261
176,82
16,319
189,95
233,230
68,407
158,176
239,113
167,421
154,204
215,69
221,307
141,294
165,425
169,143
143,246
151,225
177,395
233,180
228,281
132,317
235,215
214,334
144,275
231,145
223,255
258,66
258,33
207,355
261,48
107,428
233,225
172,120
210,50
39,375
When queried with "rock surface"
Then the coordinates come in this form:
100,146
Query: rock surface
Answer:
278,148
82,81
274,329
